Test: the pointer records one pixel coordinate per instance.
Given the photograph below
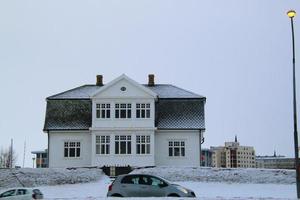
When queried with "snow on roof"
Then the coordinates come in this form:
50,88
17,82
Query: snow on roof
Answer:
162,90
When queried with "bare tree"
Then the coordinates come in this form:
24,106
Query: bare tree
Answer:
8,158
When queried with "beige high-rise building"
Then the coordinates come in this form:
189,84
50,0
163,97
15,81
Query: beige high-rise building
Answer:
232,155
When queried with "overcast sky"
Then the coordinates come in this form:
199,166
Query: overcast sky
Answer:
236,53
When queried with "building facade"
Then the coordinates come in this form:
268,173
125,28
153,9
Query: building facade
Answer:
124,123
275,162
206,157
232,155
41,159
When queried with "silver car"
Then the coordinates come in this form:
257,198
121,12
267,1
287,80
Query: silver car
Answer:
142,185
21,193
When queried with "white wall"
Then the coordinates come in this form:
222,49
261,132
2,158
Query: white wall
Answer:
56,148
133,95
132,159
192,154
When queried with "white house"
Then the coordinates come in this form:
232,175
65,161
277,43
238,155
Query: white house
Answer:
125,123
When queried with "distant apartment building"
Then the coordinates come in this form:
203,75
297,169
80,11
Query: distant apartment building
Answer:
206,158
275,162
41,158
232,155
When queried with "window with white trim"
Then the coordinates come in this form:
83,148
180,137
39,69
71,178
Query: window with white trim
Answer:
176,148
103,110
143,110
143,144
123,110
102,144
122,144
72,149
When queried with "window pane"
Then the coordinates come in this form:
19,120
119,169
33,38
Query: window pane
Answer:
98,113
148,114
176,151
107,113
116,113
107,149
78,152
116,147
128,113
123,147
66,152
97,149
148,148
129,148
72,152
143,149
102,113
143,114
138,113
170,151
102,149
123,113
138,151
182,151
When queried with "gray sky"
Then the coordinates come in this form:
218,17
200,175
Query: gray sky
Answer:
236,53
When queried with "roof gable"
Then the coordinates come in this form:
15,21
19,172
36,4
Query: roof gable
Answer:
122,87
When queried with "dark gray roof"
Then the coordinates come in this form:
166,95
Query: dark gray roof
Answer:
176,108
162,90
180,114
68,115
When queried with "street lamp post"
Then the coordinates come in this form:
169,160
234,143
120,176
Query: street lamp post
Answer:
291,14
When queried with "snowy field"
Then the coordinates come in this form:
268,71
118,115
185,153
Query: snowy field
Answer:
207,183
204,191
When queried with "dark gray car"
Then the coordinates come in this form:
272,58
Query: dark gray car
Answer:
142,185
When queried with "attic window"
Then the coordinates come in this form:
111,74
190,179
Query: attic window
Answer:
123,88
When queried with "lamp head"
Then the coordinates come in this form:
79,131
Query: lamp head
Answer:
291,13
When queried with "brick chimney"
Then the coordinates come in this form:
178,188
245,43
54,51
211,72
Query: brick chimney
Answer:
99,81
151,80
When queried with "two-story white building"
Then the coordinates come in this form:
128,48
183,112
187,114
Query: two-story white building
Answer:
124,123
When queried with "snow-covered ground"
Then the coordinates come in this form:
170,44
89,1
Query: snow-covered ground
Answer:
204,191
208,183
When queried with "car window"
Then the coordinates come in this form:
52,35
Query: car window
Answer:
8,193
21,192
155,181
130,180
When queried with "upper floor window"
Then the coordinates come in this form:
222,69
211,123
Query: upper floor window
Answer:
143,144
102,144
143,110
103,110
176,148
72,149
122,110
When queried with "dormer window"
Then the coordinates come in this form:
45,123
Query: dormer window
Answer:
143,110
103,110
123,110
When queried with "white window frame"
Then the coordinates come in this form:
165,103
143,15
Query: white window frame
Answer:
143,144
143,110
176,148
121,108
68,145
121,139
103,111
102,144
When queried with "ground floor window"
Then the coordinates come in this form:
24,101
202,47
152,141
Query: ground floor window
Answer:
122,144
102,144
143,144
176,148
72,149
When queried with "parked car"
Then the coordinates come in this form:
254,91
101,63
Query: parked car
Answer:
22,194
142,185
